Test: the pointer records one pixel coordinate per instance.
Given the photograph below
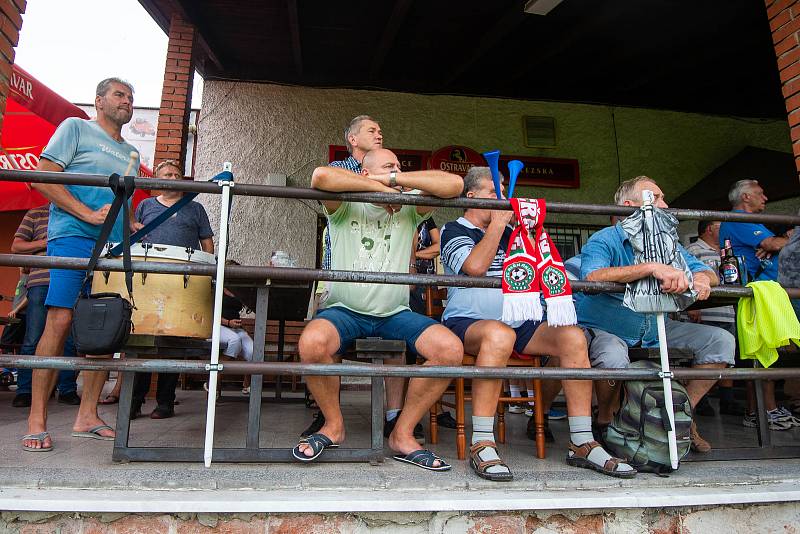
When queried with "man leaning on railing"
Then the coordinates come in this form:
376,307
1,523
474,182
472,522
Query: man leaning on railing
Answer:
373,238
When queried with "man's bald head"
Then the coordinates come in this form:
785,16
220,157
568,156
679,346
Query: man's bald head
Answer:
380,161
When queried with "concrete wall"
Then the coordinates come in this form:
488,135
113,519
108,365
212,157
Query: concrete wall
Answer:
752,519
264,128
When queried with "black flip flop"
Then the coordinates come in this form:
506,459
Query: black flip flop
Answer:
423,458
318,443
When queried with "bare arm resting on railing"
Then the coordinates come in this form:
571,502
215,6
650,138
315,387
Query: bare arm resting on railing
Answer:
603,264
386,177
61,197
337,180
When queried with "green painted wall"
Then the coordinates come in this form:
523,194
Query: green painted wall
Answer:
676,149
265,128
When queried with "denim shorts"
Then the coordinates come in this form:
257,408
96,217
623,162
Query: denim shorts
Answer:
405,325
65,284
525,331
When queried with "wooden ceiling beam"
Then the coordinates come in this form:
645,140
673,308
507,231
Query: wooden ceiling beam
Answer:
294,29
587,26
491,38
388,36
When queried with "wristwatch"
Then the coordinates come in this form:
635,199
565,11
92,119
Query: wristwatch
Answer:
393,179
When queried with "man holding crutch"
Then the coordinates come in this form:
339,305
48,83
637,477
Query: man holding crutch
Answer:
76,216
608,257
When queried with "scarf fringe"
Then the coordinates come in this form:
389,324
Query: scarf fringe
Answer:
522,307
560,311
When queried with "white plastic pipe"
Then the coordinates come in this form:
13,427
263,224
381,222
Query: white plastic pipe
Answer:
647,200
666,374
211,410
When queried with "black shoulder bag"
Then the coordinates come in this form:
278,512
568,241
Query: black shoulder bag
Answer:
101,322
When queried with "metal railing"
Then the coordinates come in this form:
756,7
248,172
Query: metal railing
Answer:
258,273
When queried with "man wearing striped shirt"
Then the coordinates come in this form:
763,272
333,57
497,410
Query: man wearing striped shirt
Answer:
475,245
31,238
706,249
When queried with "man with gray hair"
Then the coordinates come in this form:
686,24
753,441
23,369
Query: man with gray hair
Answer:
612,328
76,215
475,245
760,249
754,241
361,135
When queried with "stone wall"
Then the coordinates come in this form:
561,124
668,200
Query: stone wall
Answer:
753,519
263,128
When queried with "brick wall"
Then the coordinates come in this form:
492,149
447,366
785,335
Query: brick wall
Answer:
10,25
176,93
784,21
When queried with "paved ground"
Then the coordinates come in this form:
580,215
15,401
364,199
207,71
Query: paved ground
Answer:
86,464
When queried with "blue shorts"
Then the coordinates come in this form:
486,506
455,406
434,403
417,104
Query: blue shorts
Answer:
405,325
65,284
525,331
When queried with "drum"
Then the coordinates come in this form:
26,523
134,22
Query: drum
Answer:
166,304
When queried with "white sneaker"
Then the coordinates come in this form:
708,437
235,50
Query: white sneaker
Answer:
773,422
516,408
529,412
782,414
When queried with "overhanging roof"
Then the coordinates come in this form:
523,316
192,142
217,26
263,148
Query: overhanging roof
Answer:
713,56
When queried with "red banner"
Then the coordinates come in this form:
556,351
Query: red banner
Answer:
33,111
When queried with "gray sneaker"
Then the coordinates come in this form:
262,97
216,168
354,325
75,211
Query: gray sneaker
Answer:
774,422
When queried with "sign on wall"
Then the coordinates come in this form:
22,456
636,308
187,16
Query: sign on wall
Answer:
539,172
545,172
410,160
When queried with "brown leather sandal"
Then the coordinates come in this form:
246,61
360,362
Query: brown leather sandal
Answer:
481,466
578,456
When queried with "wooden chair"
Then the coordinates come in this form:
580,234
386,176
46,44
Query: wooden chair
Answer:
434,307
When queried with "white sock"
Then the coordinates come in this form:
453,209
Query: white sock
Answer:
483,429
580,432
391,414
515,391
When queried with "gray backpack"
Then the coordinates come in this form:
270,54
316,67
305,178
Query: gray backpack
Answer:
638,432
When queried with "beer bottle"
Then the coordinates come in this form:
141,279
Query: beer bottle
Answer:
729,268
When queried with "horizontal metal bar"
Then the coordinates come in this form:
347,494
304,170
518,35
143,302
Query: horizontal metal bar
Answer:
301,369
262,274
244,189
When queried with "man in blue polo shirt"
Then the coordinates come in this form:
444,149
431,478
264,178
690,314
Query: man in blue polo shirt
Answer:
76,216
754,241
760,249
608,257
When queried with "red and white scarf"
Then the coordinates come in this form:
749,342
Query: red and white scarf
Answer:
533,266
